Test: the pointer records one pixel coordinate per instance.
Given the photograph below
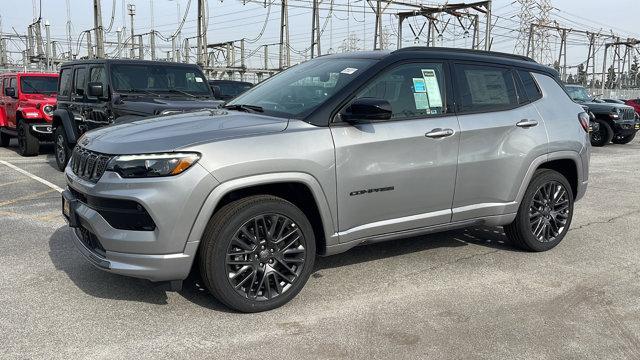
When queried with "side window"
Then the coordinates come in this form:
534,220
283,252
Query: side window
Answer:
3,84
531,89
413,90
485,88
64,84
97,74
80,81
14,84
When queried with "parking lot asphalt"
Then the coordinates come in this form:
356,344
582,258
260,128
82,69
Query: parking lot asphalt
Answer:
456,295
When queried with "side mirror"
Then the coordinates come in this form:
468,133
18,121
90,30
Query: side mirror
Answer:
95,89
216,92
11,92
367,109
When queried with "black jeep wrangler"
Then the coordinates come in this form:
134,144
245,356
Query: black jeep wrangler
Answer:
96,93
613,122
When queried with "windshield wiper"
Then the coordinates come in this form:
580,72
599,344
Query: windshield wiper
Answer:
132,90
244,107
176,91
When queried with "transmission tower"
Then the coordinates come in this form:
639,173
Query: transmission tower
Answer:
534,40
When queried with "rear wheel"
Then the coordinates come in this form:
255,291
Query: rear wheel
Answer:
623,139
257,253
545,213
28,145
62,148
4,139
603,135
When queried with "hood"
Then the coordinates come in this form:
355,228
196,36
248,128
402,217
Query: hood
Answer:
39,98
174,132
603,107
155,105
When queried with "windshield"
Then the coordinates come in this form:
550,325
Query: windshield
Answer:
153,79
39,84
232,89
299,90
578,93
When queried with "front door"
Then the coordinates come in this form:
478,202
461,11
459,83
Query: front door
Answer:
398,174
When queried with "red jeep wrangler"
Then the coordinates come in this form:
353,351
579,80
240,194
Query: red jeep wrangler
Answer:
27,101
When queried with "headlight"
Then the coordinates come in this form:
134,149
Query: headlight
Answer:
615,111
48,109
152,165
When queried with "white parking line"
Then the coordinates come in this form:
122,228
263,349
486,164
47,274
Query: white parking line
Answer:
34,177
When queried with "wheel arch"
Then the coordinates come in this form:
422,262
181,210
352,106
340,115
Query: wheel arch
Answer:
301,189
568,163
63,118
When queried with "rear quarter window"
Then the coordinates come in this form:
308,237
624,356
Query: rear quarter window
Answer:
531,88
64,87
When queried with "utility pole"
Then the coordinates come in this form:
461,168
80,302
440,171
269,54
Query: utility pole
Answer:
69,39
140,48
97,24
119,47
285,51
202,34
48,45
315,28
89,45
152,34
132,13
487,33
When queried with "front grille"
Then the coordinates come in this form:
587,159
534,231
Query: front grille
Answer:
88,165
628,114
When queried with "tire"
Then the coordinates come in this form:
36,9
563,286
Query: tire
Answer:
4,139
603,136
623,139
521,230
62,150
28,145
287,268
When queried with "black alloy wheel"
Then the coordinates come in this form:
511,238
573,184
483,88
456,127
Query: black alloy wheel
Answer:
549,211
265,257
61,148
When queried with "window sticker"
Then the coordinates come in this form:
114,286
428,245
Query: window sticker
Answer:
198,79
422,102
419,85
432,87
348,71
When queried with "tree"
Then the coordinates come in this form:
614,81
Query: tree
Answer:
610,83
633,73
581,77
350,43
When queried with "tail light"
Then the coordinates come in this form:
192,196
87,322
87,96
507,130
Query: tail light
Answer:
583,118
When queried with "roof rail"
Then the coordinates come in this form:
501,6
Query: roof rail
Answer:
466,51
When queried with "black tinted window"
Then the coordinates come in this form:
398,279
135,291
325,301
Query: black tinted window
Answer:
97,75
531,89
13,83
413,90
65,83
485,88
80,81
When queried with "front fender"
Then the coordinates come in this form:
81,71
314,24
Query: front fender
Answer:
30,113
222,189
64,118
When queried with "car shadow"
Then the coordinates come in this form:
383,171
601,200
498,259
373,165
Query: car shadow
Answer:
46,149
491,237
104,285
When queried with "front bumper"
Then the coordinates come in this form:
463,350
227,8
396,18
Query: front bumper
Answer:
626,127
161,254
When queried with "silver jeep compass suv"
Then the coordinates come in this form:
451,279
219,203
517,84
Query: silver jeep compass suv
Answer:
336,152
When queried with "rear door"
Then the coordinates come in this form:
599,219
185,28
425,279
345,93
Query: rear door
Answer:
397,175
501,133
11,103
78,96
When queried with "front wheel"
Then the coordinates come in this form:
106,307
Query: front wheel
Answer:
603,135
545,213
62,148
624,139
28,145
4,139
257,253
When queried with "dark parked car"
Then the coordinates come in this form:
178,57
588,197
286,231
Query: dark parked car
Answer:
616,122
228,89
96,93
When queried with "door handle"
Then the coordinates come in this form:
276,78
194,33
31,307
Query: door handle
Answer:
526,123
439,133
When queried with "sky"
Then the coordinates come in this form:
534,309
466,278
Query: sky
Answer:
233,19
